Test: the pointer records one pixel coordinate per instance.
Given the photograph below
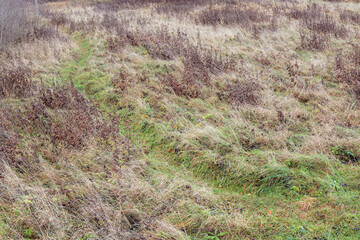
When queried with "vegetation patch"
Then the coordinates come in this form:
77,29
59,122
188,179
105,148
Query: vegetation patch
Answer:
179,120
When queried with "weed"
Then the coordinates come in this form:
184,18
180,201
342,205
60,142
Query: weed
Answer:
187,87
30,233
347,69
344,155
214,235
243,92
58,19
314,41
347,15
15,82
316,26
231,15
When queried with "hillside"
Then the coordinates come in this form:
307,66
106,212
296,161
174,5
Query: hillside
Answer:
190,119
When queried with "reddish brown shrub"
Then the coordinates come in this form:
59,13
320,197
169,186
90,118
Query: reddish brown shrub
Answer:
326,25
122,81
187,87
231,15
12,123
347,15
293,70
8,146
243,92
15,82
348,69
109,21
316,27
114,44
73,119
58,19
314,41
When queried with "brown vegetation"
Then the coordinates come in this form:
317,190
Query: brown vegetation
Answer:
164,119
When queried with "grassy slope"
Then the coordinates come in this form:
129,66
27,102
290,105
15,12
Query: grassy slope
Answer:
285,219
201,167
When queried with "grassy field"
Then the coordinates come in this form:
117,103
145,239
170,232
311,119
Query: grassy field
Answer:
188,119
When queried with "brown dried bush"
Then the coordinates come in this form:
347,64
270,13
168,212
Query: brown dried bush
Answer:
243,92
348,69
122,81
15,82
13,124
325,24
179,87
316,27
166,45
72,121
231,15
313,11
58,19
114,44
312,40
123,4
8,146
347,15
